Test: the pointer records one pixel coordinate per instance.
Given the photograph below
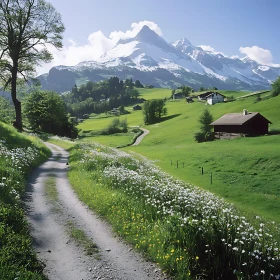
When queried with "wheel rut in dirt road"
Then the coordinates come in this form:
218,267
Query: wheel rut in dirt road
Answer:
49,219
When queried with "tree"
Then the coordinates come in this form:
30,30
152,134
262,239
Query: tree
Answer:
276,87
153,110
138,84
201,89
46,111
186,90
27,28
205,133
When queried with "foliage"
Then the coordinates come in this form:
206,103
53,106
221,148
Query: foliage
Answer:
27,28
116,126
100,97
153,110
138,84
18,156
186,230
46,111
205,133
186,90
276,87
7,112
258,98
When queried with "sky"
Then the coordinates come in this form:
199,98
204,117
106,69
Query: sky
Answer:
236,28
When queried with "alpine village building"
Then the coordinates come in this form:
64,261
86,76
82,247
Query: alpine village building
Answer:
245,123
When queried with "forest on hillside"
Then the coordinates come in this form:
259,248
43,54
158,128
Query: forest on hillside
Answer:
101,96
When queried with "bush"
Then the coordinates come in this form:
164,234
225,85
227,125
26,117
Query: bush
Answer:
202,137
116,126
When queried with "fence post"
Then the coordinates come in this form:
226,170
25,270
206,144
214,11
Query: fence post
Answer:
177,163
171,162
201,170
211,178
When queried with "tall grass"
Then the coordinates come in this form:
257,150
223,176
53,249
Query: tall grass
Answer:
189,232
18,155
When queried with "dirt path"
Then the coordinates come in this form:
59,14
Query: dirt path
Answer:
64,258
140,138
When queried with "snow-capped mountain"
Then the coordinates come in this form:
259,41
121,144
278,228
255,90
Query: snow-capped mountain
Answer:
149,58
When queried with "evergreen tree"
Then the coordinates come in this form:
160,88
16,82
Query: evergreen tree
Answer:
205,133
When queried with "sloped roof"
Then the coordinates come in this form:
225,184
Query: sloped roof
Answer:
214,93
205,94
236,118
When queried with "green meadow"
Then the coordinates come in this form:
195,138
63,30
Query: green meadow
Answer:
19,155
244,171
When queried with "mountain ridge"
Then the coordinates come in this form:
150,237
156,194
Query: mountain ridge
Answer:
149,58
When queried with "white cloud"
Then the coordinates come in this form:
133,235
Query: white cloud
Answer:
207,48
258,54
96,46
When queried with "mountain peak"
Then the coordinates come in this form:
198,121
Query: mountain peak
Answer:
182,42
147,35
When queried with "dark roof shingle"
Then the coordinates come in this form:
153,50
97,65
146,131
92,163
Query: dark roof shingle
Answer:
236,119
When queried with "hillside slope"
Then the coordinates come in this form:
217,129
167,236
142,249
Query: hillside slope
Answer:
245,170
18,155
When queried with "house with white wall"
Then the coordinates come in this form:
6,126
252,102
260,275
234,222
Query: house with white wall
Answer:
214,98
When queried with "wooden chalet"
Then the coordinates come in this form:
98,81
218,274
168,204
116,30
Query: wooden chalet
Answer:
203,96
242,123
215,97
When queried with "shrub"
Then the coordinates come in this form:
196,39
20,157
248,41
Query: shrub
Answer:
116,126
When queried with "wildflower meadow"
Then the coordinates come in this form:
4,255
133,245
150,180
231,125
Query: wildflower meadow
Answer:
17,258
189,232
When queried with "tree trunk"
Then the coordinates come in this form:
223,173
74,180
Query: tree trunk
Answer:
18,122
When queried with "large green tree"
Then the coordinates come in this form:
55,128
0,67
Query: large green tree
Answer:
153,110
27,28
46,111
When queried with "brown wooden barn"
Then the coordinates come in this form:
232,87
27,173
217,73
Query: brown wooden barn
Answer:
242,123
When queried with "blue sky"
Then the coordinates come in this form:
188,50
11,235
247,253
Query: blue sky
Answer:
233,27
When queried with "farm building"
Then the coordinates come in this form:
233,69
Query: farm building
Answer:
214,98
242,123
203,96
178,95
137,107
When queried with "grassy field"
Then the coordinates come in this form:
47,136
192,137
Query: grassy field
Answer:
188,232
245,171
154,93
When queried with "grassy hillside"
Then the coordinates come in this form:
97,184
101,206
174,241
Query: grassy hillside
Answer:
18,155
245,171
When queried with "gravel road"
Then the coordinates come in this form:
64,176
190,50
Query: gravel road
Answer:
63,257
140,138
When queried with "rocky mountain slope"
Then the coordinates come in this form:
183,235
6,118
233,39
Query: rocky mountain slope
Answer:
149,58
